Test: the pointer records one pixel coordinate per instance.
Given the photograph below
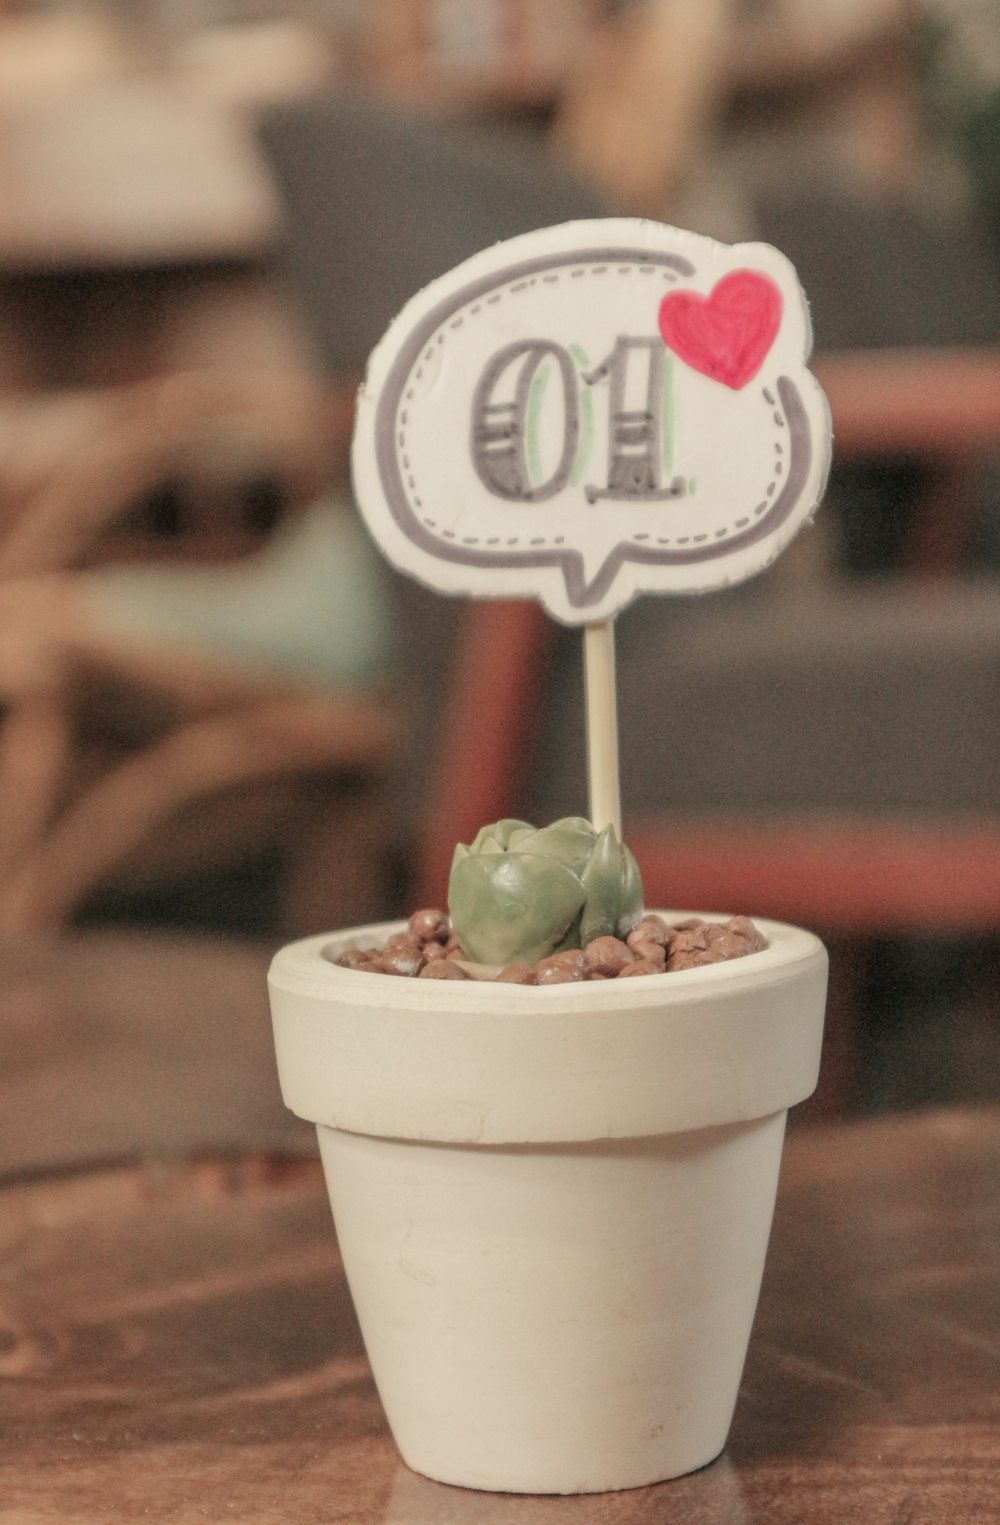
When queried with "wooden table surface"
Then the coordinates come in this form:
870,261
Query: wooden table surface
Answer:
116,1044
177,1343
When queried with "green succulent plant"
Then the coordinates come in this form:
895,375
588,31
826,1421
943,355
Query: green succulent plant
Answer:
518,893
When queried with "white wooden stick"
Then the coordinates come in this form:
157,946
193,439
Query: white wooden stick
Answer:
602,725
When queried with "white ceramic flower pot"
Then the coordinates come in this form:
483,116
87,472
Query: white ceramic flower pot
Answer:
553,1204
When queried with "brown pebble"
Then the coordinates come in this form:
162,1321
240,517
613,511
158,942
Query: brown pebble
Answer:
650,947
571,957
653,953
640,966
356,958
430,925
401,960
403,939
443,969
561,968
517,974
607,955
743,927
693,958
690,939
651,929
712,943
559,974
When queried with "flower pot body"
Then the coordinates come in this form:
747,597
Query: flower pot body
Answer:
553,1204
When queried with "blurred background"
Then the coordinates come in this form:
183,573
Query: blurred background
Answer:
225,722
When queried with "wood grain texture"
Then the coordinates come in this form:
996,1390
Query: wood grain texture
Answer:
177,1343
117,1045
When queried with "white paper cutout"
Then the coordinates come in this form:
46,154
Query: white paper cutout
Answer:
593,411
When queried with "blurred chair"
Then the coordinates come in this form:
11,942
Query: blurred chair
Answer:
476,55
379,201
634,113
489,725
679,109
163,721
126,172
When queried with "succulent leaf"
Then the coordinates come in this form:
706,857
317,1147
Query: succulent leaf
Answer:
571,840
519,893
499,832
632,894
602,880
510,906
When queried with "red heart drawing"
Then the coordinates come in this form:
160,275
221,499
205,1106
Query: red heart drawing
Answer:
727,334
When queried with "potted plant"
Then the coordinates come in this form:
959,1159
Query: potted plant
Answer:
553,1202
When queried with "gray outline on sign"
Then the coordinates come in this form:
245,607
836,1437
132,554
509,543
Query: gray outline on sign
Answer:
579,592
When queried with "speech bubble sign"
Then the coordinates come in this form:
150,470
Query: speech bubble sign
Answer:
593,411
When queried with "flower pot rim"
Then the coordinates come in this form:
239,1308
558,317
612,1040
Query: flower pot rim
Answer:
474,1061
312,958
